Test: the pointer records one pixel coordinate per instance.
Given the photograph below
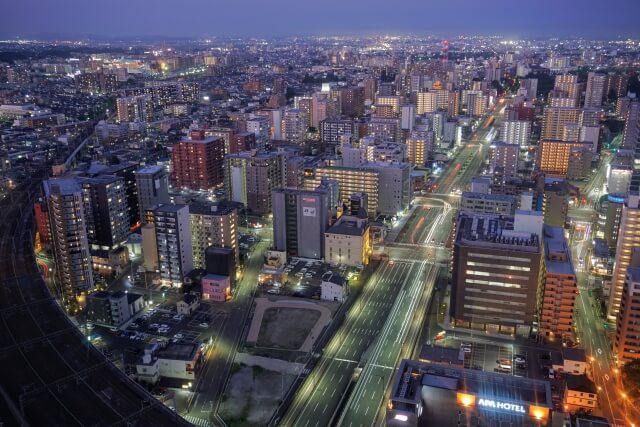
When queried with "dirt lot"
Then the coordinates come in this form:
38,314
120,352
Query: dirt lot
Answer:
286,328
252,395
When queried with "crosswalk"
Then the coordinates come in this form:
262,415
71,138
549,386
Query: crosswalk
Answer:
197,421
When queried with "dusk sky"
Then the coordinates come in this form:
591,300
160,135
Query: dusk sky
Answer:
168,18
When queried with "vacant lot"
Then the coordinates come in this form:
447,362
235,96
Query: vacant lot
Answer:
252,395
286,328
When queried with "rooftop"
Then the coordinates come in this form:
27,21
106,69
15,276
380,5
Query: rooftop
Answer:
179,351
557,257
494,231
150,169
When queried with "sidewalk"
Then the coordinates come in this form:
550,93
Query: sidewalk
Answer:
270,364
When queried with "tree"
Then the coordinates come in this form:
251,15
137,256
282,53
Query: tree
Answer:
495,84
631,379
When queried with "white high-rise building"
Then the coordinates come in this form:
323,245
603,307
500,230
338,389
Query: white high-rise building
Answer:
594,93
173,240
294,125
152,183
260,127
516,132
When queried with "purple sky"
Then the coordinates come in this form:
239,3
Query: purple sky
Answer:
168,18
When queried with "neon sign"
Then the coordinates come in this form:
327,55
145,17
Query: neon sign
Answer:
501,406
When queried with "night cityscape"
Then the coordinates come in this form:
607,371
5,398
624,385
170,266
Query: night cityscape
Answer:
299,214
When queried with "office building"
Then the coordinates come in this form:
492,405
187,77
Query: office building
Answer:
348,241
153,186
497,271
215,225
504,157
560,287
105,209
609,217
595,91
221,261
300,218
628,239
173,242
627,341
483,203
197,162
435,394
69,235
515,132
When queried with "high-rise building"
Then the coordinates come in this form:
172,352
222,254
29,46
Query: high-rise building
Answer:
352,101
153,186
560,287
105,210
213,225
137,108
568,86
426,102
294,125
69,235
419,147
554,120
370,89
251,176
197,162
594,93
300,218
531,86
260,127
331,131
127,171
631,131
173,241
616,85
628,238
504,157
393,100
515,132
627,342
305,105
385,129
555,157
497,271
227,134
166,93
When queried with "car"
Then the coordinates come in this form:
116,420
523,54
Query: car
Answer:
163,331
89,325
113,329
178,336
178,317
154,326
166,315
519,360
204,325
164,326
273,291
134,326
466,349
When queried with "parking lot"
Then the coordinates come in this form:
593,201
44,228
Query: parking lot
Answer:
302,278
